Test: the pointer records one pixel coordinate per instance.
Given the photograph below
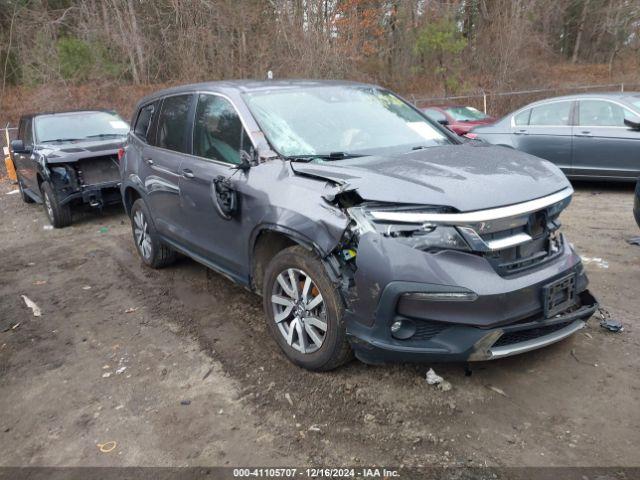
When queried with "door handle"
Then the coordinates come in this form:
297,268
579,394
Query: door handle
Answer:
520,131
584,133
187,173
148,160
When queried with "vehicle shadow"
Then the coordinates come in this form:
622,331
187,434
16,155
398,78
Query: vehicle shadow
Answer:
85,215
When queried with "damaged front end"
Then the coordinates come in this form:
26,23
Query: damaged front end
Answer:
429,283
92,180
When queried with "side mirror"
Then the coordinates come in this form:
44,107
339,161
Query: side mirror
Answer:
247,159
444,122
633,123
17,146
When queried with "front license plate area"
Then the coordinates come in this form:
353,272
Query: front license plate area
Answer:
559,295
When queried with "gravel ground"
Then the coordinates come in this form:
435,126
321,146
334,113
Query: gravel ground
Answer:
177,368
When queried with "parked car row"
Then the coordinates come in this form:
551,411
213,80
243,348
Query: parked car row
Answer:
594,136
366,227
589,136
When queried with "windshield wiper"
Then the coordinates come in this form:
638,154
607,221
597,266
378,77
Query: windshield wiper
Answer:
99,135
324,156
61,140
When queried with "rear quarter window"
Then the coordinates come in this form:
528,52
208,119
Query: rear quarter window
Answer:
143,122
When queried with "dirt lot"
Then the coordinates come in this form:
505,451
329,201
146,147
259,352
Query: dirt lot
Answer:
113,362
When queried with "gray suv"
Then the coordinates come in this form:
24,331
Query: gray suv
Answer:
366,227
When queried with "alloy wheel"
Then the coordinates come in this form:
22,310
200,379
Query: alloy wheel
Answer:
141,234
299,310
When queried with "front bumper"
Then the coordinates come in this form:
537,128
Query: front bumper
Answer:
505,317
465,343
105,193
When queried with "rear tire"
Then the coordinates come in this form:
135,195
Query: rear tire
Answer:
152,250
304,311
23,195
58,215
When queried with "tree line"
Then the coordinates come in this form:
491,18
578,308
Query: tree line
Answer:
441,46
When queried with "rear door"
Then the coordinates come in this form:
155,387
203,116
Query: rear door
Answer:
545,131
215,233
603,146
161,158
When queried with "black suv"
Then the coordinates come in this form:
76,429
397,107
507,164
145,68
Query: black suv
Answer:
365,226
69,158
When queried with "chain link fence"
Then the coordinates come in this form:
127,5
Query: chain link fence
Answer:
500,103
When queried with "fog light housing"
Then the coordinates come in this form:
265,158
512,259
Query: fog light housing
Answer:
402,329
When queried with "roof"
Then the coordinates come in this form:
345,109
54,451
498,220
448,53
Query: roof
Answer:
64,112
244,86
609,95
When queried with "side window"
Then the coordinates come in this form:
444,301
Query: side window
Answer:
28,132
25,132
217,132
21,129
173,123
555,114
522,118
143,122
600,113
435,115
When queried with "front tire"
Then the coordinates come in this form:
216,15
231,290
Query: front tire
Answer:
58,215
304,311
152,250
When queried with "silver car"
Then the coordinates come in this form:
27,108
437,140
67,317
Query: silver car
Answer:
590,136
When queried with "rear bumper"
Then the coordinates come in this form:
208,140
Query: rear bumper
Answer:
467,343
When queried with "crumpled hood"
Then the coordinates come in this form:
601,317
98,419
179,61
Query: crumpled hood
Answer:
467,177
73,151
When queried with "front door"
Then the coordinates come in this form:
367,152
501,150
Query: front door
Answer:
25,162
548,133
603,146
211,185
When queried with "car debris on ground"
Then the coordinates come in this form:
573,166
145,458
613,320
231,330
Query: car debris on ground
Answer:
597,261
434,379
609,323
612,325
32,305
107,446
499,391
634,241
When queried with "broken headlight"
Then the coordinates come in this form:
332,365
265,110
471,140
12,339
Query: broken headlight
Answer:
422,236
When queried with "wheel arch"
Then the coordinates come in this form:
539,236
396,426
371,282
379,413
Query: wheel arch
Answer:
266,242
129,195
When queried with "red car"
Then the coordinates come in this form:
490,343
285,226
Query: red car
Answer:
458,118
